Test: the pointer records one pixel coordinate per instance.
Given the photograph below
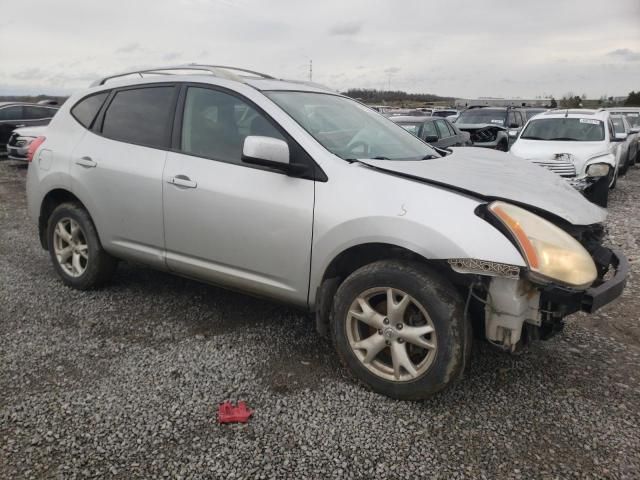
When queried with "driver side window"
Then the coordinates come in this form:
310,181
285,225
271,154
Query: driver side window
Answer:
215,124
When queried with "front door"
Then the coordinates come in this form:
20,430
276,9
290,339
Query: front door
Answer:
230,223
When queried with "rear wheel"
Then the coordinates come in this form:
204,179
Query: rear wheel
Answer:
75,249
400,329
503,146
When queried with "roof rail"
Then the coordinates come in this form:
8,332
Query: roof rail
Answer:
220,71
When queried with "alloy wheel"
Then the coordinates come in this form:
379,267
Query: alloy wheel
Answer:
70,247
391,334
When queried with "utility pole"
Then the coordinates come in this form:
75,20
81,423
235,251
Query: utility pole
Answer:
310,70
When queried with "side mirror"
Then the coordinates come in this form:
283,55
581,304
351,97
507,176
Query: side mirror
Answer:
266,151
621,137
431,138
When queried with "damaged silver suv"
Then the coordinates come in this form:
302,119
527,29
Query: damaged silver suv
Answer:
293,192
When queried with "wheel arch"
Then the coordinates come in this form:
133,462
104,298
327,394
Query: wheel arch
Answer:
50,201
348,261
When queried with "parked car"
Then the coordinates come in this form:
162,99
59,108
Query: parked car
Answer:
19,114
579,145
632,114
439,132
300,194
622,131
492,127
20,140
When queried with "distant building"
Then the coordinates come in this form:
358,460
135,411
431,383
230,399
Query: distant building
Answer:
502,102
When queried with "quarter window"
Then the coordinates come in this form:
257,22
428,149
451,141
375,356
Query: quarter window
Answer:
215,124
141,116
85,110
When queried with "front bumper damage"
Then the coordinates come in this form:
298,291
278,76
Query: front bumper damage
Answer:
595,189
517,310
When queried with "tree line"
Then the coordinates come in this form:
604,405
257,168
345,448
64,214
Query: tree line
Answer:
378,96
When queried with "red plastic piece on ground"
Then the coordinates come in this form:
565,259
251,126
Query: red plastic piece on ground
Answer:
228,413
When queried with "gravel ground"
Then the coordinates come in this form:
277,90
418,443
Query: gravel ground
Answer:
124,383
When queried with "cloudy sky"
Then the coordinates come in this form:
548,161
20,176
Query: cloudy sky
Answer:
474,48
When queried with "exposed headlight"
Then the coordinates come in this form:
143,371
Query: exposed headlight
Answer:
598,170
550,252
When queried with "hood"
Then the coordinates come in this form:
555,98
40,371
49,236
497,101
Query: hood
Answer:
30,131
577,152
497,175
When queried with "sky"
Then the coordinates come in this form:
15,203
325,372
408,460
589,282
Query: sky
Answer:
489,48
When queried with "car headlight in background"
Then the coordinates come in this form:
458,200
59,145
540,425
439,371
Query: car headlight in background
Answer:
550,252
598,170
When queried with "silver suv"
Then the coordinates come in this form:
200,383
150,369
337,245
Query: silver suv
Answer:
290,191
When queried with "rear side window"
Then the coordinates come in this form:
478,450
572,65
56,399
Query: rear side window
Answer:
85,110
35,113
442,129
429,130
11,113
141,116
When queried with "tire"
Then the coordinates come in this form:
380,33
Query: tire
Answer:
448,344
94,266
614,180
503,146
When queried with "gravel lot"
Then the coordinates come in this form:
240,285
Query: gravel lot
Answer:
125,382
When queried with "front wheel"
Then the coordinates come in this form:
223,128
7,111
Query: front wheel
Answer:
75,249
400,329
613,179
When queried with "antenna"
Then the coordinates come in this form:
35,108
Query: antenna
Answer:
311,70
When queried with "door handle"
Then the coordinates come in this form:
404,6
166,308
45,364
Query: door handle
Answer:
183,181
86,162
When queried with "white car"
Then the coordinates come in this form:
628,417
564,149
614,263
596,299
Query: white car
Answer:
579,145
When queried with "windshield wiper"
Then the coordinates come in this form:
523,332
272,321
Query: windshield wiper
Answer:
564,138
380,158
429,157
532,138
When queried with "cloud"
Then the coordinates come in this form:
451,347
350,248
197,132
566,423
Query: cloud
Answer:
625,54
129,48
28,74
169,56
347,28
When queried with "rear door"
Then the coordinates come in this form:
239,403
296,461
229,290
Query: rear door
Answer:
231,223
447,139
117,168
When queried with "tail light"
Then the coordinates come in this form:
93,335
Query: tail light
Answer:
33,146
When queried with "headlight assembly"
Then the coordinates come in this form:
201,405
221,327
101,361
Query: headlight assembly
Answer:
550,252
598,170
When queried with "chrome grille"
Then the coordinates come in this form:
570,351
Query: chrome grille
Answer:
564,169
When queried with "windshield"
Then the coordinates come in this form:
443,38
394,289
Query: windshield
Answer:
349,129
481,115
565,129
